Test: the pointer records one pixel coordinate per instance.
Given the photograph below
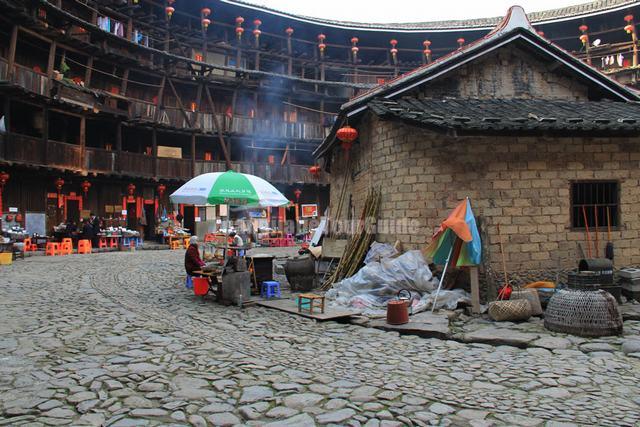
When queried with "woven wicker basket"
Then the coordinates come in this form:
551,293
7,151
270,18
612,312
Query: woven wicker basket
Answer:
530,295
511,310
583,313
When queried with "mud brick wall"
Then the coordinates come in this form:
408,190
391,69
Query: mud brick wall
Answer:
521,183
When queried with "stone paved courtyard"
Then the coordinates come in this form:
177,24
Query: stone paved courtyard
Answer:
115,339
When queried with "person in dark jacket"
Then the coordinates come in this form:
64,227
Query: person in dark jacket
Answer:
95,223
87,230
192,260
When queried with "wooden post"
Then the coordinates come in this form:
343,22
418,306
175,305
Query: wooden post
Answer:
51,64
83,140
7,125
87,73
216,123
193,154
125,82
45,132
12,51
159,97
154,151
119,146
475,289
196,116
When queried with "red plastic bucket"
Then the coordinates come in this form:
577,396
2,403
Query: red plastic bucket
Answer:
397,312
200,285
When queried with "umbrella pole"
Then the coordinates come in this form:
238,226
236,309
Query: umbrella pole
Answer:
446,265
226,237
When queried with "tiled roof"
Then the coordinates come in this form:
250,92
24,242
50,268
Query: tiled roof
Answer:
597,6
504,115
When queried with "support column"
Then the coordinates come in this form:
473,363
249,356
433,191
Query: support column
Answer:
51,64
119,146
12,51
83,141
45,132
7,125
87,73
154,151
193,154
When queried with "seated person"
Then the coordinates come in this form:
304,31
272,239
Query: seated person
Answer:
237,242
192,260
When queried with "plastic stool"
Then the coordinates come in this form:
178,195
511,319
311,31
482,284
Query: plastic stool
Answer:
126,242
103,243
113,242
270,288
28,246
138,242
84,246
52,249
189,283
66,248
176,244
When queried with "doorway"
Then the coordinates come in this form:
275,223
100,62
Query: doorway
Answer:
150,214
189,214
72,209
291,225
132,221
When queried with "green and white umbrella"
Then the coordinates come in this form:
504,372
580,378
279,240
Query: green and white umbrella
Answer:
229,188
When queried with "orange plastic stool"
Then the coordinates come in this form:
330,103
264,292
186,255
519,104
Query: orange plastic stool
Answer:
28,246
186,242
66,247
113,242
84,246
102,243
51,249
176,244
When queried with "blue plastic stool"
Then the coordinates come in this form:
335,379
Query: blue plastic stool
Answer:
189,283
126,241
270,289
138,242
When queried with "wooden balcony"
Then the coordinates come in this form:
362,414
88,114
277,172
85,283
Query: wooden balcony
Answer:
174,168
33,151
136,164
68,156
30,80
141,110
97,159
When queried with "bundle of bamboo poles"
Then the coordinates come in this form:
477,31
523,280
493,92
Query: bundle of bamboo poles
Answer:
359,243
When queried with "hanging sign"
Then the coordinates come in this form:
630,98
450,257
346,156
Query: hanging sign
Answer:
309,211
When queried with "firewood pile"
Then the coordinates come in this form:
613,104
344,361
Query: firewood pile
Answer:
359,243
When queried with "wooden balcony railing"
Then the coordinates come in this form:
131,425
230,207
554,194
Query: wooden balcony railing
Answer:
174,168
64,155
136,164
272,173
141,110
97,159
30,80
26,149
3,69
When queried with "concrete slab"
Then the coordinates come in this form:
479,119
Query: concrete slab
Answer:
425,324
290,306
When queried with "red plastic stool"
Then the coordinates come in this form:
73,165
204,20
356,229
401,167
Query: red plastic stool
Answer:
52,249
102,243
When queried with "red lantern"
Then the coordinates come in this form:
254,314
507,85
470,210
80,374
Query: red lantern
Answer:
541,33
205,23
257,33
583,28
239,20
460,42
239,31
161,189
346,135
59,184
628,18
322,47
427,52
354,49
257,22
393,42
205,11
354,40
426,44
131,188
314,170
629,28
321,37
169,10
297,193
289,31
86,185
584,39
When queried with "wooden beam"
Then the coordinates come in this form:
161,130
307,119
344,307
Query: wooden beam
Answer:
13,44
180,105
198,104
160,94
119,145
45,131
83,140
87,73
218,126
193,154
154,151
7,125
125,82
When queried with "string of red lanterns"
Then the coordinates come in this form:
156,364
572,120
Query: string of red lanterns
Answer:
256,30
169,9
460,42
427,50
321,45
394,50
86,185
239,29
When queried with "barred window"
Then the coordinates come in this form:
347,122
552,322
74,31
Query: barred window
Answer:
597,200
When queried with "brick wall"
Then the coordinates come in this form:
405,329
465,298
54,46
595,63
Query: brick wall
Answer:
521,183
508,72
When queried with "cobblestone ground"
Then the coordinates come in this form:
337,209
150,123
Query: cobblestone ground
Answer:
115,339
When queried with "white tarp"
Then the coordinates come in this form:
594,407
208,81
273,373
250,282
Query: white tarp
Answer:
378,282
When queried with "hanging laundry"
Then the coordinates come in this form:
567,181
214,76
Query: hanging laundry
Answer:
118,29
620,59
104,23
